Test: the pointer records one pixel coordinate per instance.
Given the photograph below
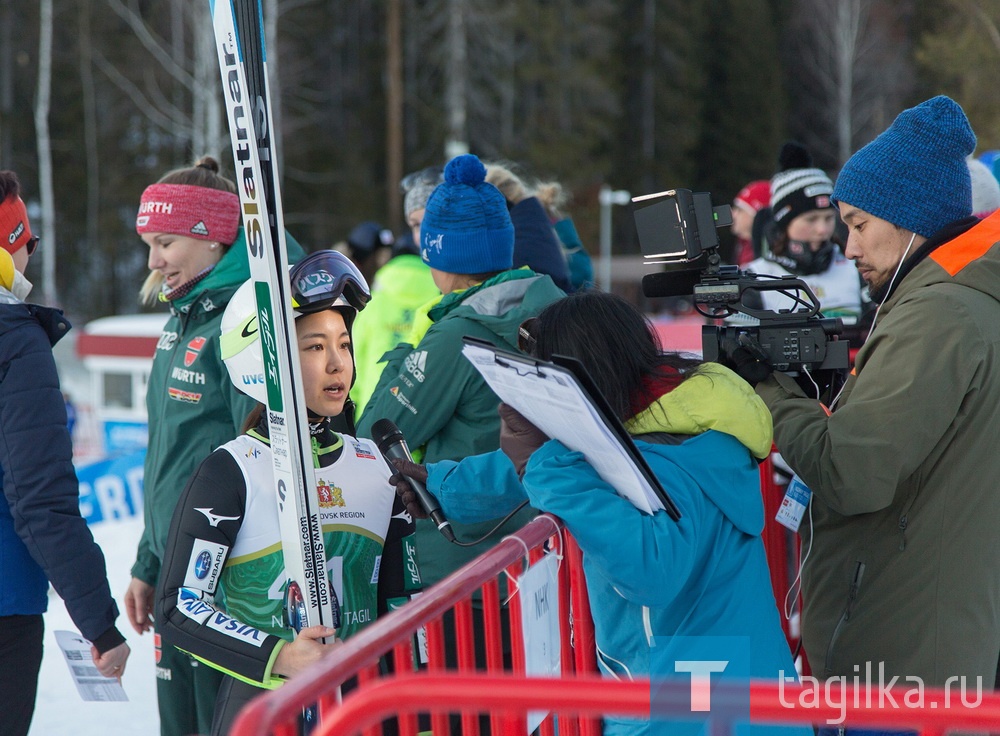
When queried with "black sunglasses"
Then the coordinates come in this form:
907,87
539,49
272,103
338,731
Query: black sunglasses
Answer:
526,340
32,245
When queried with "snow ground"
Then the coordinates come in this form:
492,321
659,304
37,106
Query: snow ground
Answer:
59,709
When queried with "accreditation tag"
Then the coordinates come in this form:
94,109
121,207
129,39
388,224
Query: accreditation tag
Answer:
793,506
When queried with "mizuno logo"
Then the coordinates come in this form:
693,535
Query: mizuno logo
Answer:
214,519
405,516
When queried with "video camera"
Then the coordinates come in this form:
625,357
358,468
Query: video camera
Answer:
678,228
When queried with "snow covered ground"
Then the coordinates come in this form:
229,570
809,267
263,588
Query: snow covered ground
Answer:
59,709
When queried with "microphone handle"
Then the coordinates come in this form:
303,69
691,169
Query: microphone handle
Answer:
399,451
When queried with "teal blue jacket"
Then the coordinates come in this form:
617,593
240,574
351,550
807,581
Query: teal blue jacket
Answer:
649,577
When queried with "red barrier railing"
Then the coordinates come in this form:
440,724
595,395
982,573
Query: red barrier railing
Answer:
592,695
782,550
500,689
277,712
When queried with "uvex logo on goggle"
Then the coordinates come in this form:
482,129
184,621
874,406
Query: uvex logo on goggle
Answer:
312,281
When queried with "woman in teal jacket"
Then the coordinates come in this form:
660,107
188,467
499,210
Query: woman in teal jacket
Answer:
660,591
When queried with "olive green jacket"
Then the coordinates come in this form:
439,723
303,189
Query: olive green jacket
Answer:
903,564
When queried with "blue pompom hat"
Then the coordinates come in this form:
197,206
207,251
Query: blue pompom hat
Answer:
914,174
466,227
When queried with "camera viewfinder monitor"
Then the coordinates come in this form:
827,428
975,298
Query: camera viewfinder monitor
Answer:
677,225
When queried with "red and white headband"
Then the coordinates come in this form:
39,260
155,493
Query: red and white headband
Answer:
193,211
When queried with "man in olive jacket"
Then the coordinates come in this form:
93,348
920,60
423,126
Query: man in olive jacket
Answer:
903,570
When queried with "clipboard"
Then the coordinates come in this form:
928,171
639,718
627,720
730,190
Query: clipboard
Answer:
561,399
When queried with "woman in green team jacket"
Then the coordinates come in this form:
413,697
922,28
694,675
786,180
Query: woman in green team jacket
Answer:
190,220
432,393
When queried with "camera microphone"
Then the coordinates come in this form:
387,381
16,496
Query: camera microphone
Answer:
677,282
391,444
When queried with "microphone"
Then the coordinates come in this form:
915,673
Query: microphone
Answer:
677,282
391,444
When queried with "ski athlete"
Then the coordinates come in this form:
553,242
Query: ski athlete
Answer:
224,583
198,255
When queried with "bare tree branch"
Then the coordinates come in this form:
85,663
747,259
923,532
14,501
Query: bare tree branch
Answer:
152,43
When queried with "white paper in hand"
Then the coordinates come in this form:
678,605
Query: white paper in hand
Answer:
90,683
558,407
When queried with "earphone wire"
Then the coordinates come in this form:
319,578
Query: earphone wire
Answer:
879,309
793,589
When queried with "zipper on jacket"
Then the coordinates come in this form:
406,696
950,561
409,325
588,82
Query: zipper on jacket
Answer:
904,521
852,595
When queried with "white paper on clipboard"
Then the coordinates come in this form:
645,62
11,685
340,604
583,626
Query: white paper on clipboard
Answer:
556,404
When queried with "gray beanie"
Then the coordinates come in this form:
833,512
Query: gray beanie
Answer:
417,188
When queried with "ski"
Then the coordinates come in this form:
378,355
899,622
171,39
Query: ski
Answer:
239,36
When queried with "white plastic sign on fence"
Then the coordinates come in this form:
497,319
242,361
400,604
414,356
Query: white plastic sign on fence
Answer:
539,593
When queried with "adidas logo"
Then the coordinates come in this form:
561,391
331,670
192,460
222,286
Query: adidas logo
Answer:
199,228
416,364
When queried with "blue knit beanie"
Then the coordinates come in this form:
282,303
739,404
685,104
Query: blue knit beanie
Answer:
466,227
914,174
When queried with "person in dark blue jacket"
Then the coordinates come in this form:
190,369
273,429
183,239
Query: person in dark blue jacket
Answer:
535,243
43,538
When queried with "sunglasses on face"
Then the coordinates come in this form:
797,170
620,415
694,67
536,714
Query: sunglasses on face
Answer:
32,245
526,340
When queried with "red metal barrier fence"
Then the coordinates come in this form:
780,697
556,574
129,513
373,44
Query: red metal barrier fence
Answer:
277,712
575,699
593,695
782,550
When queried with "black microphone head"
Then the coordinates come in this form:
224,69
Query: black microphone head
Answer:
385,433
678,282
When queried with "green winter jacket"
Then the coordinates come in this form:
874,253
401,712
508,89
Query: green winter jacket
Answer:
399,288
442,404
902,567
192,406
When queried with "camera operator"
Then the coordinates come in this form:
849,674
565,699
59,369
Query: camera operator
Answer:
902,569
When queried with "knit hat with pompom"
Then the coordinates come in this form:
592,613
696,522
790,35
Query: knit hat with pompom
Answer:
914,173
798,187
466,227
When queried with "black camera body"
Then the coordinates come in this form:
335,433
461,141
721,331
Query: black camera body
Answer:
677,228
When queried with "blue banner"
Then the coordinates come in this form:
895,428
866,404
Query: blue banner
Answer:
112,489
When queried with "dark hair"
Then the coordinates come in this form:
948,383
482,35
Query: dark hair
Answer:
253,418
614,341
9,185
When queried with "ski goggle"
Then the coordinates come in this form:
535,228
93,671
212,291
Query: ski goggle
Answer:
322,278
